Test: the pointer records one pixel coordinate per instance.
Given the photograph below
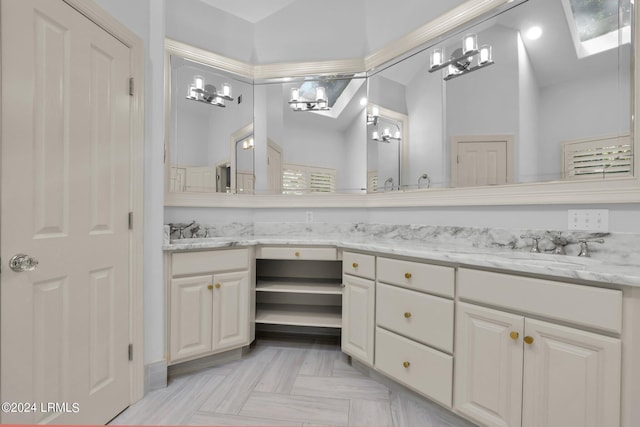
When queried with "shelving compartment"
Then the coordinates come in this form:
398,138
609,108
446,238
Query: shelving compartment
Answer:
299,296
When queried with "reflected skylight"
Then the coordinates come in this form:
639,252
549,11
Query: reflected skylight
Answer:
598,25
334,89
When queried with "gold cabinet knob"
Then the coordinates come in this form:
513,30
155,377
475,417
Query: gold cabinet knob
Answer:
407,314
218,285
407,275
297,253
514,335
406,364
528,339
210,287
355,265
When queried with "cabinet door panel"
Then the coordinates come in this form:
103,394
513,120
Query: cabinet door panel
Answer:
190,317
358,327
488,368
571,377
230,310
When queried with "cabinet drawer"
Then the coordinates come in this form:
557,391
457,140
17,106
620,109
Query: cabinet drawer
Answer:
359,265
209,261
297,252
425,370
434,279
422,317
584,305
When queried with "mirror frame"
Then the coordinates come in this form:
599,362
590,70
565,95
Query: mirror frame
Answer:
614,190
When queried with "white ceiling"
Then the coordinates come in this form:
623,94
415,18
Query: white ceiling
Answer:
250,10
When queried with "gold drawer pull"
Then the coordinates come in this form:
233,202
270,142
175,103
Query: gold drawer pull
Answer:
528,339
297,253
218,285
514,335
407,314
406,364
355,265
210,287
407,275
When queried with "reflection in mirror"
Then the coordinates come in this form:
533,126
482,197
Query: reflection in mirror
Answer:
555,104
315,135
386,135
244,174
209,113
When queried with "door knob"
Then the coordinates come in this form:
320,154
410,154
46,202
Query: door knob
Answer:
22,262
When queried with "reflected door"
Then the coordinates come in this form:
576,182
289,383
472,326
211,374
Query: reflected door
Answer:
480,163
65,202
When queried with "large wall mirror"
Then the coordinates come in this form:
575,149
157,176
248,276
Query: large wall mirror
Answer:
543,93
314,132
210,130
531,103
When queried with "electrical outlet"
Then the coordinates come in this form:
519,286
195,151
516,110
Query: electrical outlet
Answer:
589,219
309,216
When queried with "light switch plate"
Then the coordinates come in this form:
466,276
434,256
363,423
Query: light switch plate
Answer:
589,219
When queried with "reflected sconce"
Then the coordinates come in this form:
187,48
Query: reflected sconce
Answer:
248,144
463,60
207,93
373,119
300,103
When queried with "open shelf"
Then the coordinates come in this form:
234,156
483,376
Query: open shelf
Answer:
300,286
300,315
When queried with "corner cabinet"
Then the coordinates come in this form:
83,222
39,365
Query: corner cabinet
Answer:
514,370
298,289
209,302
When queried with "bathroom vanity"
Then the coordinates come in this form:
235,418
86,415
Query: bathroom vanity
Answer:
499,342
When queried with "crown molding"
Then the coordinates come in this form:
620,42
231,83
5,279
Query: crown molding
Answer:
209,58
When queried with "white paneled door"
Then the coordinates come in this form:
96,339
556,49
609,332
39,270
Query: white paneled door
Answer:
65,200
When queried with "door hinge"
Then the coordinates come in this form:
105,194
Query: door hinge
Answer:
130,220
131,86
130,352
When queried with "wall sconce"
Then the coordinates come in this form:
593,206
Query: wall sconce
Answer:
373,119
207,93
299,103
386,135
462,59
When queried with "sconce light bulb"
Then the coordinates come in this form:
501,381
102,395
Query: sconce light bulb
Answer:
375,135
321,94
295,94
199,82
245,144
485,54
192,92
251,143
375,111
437,57
397,135
226,89
386,132
469,43
363,101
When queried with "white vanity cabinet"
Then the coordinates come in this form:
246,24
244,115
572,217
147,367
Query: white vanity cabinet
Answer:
209,302
358,306
414,326
514,370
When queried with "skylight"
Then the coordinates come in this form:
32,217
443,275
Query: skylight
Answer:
598,25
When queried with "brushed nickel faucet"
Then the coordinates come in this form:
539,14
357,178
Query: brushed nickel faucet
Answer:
584,246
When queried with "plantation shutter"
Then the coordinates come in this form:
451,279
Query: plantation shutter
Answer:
589,159
299,179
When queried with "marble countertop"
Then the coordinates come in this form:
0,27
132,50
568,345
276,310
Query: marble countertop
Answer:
560,266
